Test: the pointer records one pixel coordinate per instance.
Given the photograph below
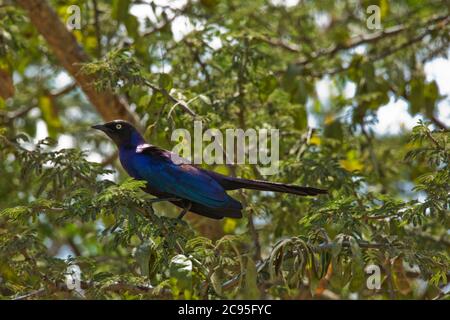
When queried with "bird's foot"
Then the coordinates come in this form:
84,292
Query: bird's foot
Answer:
184,211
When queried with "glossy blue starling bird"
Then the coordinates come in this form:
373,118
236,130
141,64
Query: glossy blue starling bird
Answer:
193,189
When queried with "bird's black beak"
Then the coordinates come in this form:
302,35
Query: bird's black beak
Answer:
108,131
100,127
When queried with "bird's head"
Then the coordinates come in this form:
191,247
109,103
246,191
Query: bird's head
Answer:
121,132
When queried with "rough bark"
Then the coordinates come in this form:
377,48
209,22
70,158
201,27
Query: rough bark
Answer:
6,84
70,54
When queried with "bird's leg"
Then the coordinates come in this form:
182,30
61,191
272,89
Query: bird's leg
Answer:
184,211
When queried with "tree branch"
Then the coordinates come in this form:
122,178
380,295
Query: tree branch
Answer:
371,38
438,123
71,55
443,21
115,287
177,102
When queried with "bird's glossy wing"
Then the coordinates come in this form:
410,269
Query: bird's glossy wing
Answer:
166,155
163,170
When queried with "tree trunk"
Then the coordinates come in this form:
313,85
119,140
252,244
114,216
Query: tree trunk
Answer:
6,84
70,54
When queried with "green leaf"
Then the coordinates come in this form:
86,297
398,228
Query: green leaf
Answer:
165,81
301,91
358,274
251,290
216,280
333,129
180,268
267,86
337,247
120,10
205,99
431,96
15,212
132,25
158,100
147,258
144,101
300,117
416,97
50,114
289,78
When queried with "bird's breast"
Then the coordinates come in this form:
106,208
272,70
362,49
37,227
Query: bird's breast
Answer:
128,160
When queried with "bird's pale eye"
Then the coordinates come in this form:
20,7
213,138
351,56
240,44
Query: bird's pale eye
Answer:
118,126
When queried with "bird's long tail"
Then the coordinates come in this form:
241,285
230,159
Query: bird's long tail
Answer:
231,183
276,187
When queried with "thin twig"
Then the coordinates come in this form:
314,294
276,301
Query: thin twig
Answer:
391,50
370,38
98,33
181,103
64,90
